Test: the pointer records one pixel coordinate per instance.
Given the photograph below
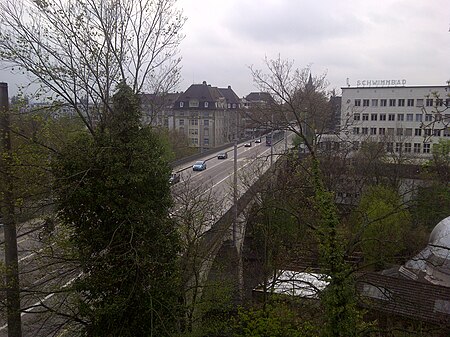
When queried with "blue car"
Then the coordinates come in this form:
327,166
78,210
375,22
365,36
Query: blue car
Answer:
199,166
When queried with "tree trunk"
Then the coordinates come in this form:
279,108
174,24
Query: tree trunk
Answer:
11,260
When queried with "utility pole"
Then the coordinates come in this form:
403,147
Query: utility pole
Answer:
271,145
9,224
235,210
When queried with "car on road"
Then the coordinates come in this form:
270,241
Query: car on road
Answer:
174,178
249,144
199,166
258,140
222,155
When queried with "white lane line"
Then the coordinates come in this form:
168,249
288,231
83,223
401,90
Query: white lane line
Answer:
35,305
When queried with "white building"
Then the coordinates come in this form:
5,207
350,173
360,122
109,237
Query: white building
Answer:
405,120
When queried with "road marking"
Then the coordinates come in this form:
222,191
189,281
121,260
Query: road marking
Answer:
35,305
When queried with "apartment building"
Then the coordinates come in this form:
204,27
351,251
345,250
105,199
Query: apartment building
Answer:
206,114
406,120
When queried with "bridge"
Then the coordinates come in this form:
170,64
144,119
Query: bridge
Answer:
224,191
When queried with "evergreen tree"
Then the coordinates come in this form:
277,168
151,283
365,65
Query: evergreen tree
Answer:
113,190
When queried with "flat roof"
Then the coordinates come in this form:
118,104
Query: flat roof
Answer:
400,87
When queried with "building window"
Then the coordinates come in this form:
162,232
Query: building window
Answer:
408,132
390,131
410,101
193,122
365,102
373,131
428,118
365,131
181,104
426,148
419,102
193,132
416,147
418,117
383,102
399,132
181,122
374,102
205,141
439,102
206,104
205,132
357,102
436,132
409,117
206,122
365,117
390,147
447,132
382,131
427,132
407,147
428,102
400,117
392,102
356,117
447,102
417,132
356,131
398,147
401,102
382,117
438,117
373,117
391,117
193,103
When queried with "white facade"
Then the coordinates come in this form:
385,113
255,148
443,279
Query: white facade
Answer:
404,120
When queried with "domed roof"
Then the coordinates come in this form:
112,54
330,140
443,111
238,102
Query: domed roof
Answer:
440,236
439,241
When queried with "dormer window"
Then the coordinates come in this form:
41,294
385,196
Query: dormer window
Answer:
206,104
181,104
193,103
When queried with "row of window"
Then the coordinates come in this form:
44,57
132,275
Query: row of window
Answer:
194,141
401,132
400,117
402,147
196,104
194,122
401,102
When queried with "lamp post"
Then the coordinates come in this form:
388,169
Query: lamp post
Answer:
235,210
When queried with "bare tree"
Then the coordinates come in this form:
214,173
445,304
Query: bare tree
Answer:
302,106
80,50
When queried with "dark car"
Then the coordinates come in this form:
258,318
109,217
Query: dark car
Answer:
222,155
249,144
174,178
199,166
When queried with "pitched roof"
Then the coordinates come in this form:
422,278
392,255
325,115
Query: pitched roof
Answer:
203,92
229,95
417,300
259,97
161,100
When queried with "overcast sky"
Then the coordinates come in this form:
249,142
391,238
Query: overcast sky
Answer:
355,39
